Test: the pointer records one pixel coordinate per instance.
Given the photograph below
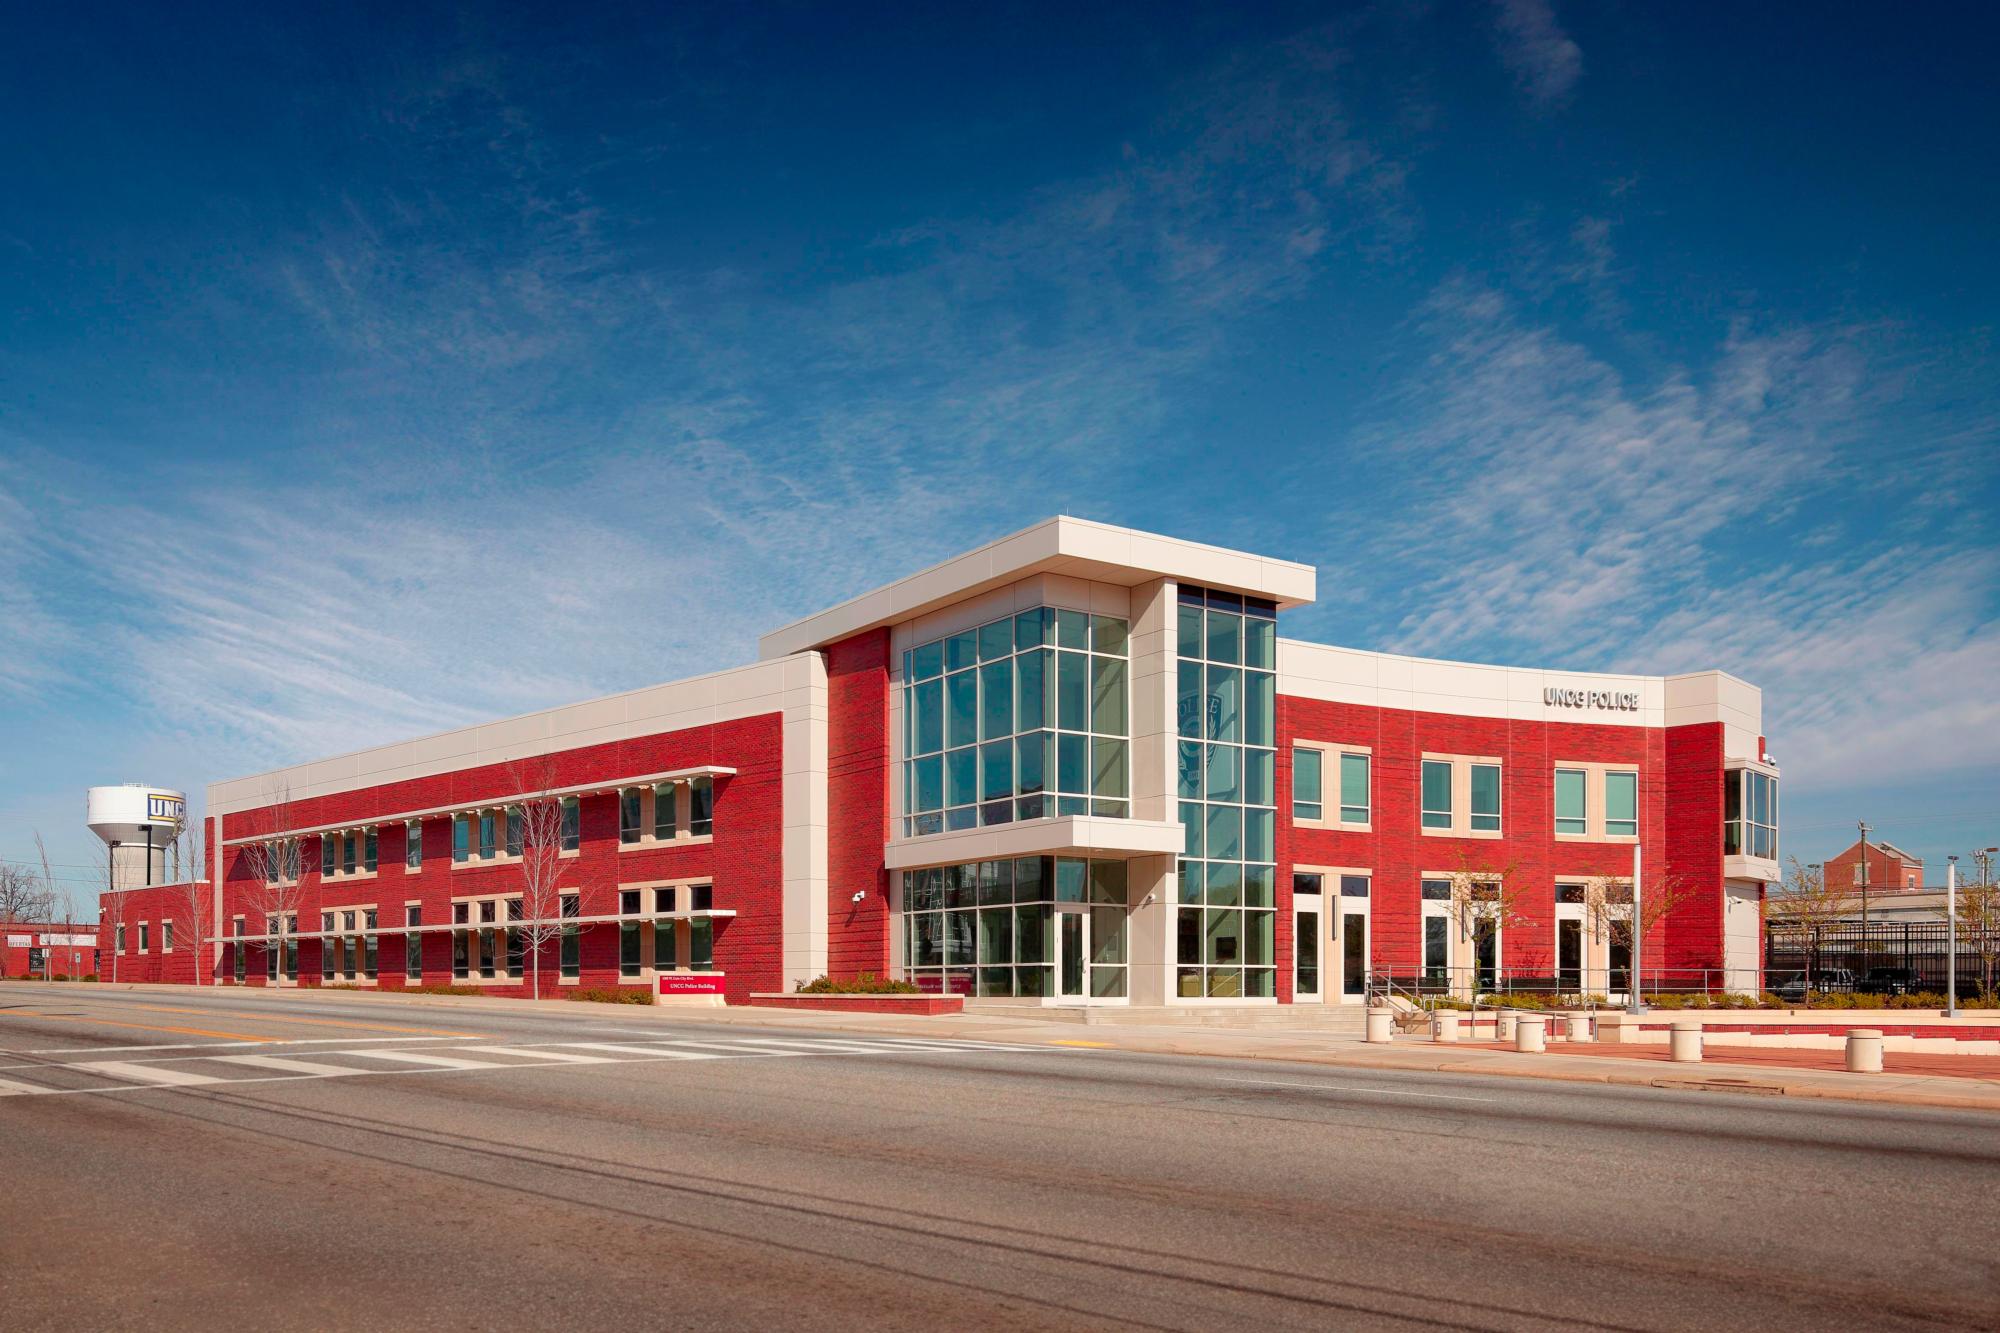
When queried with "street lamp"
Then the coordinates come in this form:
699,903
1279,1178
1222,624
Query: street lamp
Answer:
1951,938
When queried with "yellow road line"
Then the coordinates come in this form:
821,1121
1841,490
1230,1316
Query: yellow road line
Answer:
141,1027
1094,1045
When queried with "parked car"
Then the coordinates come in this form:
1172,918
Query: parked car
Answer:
1792,985
1890,981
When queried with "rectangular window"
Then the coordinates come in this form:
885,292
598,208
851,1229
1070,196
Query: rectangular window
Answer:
572,951
1354,799
489,835
666,813
665,954
413,845
461,952
1306,784
326,854
238,962
145,930
327,949
628,815
1572,804
461,838
1486,798
1437,794
515,830
347,853
118,940
701,807
368,857
572,824
701,944
166,937
413,943
1621,805
368,946
628,949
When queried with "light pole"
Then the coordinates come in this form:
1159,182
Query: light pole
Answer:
1951,939
1635,1002
1812,932
1864,881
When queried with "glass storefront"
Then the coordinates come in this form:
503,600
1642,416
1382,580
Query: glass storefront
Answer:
1021,718
1037,927
1226,774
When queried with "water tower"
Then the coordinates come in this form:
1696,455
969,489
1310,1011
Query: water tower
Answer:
138,824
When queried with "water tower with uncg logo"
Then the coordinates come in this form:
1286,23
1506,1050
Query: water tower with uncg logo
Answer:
138,824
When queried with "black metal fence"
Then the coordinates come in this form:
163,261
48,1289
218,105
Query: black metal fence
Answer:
1883,956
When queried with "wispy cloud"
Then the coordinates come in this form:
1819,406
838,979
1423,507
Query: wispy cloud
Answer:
1545,63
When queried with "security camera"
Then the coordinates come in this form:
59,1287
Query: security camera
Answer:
859,894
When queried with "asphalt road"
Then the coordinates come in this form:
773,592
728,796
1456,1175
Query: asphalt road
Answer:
346,1162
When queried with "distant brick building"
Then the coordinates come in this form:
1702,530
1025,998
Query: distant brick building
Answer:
1889,868
31,948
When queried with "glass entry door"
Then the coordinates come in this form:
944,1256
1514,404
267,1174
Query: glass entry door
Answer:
1306,941
1353,951
1072,949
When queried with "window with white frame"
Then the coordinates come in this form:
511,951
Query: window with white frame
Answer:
1460,796
1331,785
1596,801
413,845
663,813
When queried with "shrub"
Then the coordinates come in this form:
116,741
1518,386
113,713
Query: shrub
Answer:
611,995
864,983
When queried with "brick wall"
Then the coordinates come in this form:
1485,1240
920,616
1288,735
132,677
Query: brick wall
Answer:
858,769
1398,854
1884,870
1689,941
743,860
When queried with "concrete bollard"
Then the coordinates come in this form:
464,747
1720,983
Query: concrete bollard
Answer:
1503,1024
1381,1026
1530,1034
1444,1025
1864,1051
1685,1041
1579,1027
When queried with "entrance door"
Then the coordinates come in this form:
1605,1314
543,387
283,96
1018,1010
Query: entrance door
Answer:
1353,950
1072,950
1306,949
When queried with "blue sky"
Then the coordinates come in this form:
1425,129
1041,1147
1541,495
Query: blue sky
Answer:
381,371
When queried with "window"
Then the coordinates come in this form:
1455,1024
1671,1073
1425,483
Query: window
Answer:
461,839
166,937
144,932
1750,814
1225,711
369,943
347,853
118,940
1486,798
701,807
489,835
701,944
1460,797
1306,784
1355,806
628,949
413,845
413,942
628,815
666,821
514,832
238,963
1023,718
1572,807
1437,794
988,927
572,824
663,901
572,952
1621,804
665,954
368,851
271,949
327,852
701,897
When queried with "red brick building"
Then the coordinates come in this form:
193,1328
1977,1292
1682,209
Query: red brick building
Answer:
1889,868
1075,766
39,948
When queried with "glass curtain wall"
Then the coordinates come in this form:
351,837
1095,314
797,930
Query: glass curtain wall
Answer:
987,927
1022,718
1226,772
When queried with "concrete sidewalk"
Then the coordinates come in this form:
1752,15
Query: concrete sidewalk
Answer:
1967,1091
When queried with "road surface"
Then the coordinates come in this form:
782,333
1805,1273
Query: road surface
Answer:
212,1160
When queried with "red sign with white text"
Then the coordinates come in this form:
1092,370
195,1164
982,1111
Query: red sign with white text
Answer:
691,983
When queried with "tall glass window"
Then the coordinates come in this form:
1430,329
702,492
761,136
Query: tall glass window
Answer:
1485,798
1437,793
1572,805
1750,814
1355,805
1621,805
1022,718
988,927
572,824
413,845
1226,710
1306,784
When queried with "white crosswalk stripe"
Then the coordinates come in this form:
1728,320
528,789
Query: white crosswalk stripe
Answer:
285,1065
426,1058
138,1073
9,1088
545,1053
657,1052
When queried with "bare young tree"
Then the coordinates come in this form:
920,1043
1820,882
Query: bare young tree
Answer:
60,899
274,867
1810,905
1484,898
1608,905
24,896
193,892
543,867
1978,929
